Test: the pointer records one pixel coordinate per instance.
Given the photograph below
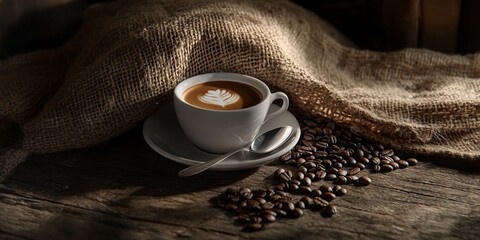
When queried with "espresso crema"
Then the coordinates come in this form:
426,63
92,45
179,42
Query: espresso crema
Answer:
222,95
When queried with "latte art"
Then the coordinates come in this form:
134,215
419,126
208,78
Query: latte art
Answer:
222,95
219,97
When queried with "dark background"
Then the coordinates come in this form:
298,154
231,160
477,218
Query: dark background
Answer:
450,26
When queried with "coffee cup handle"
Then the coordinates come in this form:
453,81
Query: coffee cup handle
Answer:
283,108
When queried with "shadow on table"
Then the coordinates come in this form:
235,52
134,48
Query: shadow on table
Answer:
465,166
124,162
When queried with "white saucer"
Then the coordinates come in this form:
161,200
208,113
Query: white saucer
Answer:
164,135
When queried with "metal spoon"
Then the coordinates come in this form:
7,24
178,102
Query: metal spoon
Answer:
264,143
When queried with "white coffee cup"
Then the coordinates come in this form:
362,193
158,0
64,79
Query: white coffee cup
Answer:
221,131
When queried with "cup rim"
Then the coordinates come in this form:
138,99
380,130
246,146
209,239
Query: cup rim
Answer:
233,77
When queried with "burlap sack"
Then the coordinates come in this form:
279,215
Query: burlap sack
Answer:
129,55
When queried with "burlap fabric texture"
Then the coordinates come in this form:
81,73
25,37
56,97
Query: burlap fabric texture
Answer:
129,55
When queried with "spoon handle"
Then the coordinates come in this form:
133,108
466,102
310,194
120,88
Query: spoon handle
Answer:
192,170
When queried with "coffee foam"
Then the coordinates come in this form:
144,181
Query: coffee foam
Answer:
219,97
222,95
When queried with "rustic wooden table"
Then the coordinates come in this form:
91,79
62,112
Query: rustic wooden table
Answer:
124,190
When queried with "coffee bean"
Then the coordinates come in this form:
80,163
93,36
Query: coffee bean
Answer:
309,165
325,188
280,212
275,197
316,192
284,178
291,162
268,205
259,194
321,174
310,123
395,165
352,179
358,153
387,152
297,212
309,137
375,160
351,161
403,163
368,148
412,161
354,171
278,172
289,206
261,200
364,181
337,165
333,139
342,172
298,176
360,165
281,193
231,206
384,162
306,181
321,154
283,186
254,226
332,171
328,196
243,217
386,168
321,167
341,192
331,177
395,158
300,205
376,168
308,201
253,204
269,218
389,159
327,163
329,211
242,204
319,202
303,169
295,182
300,162
305,189
287,156
256,219
341,180
293,187
363,160
311,175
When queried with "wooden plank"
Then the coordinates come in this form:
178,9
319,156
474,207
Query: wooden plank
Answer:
124,190
440,24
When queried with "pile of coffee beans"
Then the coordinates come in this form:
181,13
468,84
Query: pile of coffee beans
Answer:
316,170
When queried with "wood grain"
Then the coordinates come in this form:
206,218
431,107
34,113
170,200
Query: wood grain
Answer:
124,190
